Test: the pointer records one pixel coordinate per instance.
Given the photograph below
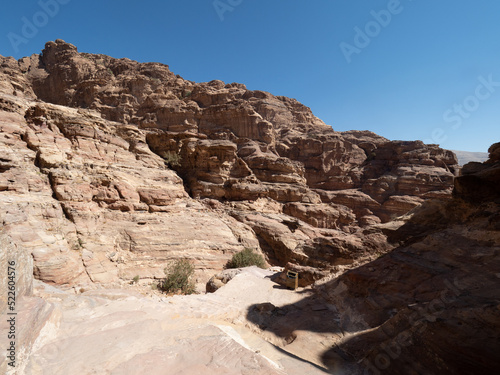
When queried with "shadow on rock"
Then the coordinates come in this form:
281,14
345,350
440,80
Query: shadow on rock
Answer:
301,330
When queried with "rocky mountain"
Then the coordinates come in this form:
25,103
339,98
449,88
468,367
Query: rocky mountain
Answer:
429,306
110,169
432,304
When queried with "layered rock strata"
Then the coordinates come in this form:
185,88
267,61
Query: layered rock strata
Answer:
431,305
114,168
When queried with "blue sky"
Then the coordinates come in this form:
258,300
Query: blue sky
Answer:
408,69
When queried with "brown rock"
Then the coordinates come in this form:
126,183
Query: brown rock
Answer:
438,290
494,153
114,147
222,278
480,182
98,156
288,144
321,215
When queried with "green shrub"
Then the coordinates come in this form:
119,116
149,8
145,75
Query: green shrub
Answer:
177,276
135,279
171,158
246,258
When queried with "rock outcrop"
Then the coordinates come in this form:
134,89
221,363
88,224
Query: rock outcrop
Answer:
430,305
110,169
233,143
91,207
123,166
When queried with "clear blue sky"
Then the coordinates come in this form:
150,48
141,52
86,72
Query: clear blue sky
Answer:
430,72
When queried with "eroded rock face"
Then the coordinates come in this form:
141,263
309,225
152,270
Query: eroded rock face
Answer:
104,156
110,169
480,182
238,144
431,305
89,202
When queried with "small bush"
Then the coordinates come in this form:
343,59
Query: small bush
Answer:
171,158
135,280
177,276
246,258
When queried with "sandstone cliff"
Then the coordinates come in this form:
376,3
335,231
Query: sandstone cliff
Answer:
430,306
110,168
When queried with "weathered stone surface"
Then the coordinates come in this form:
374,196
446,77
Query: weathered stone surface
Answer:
321,215
434,299
33,222
222,278
480,182
115,147
111,169
430,306
87,208
289,241
232,143
121,332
